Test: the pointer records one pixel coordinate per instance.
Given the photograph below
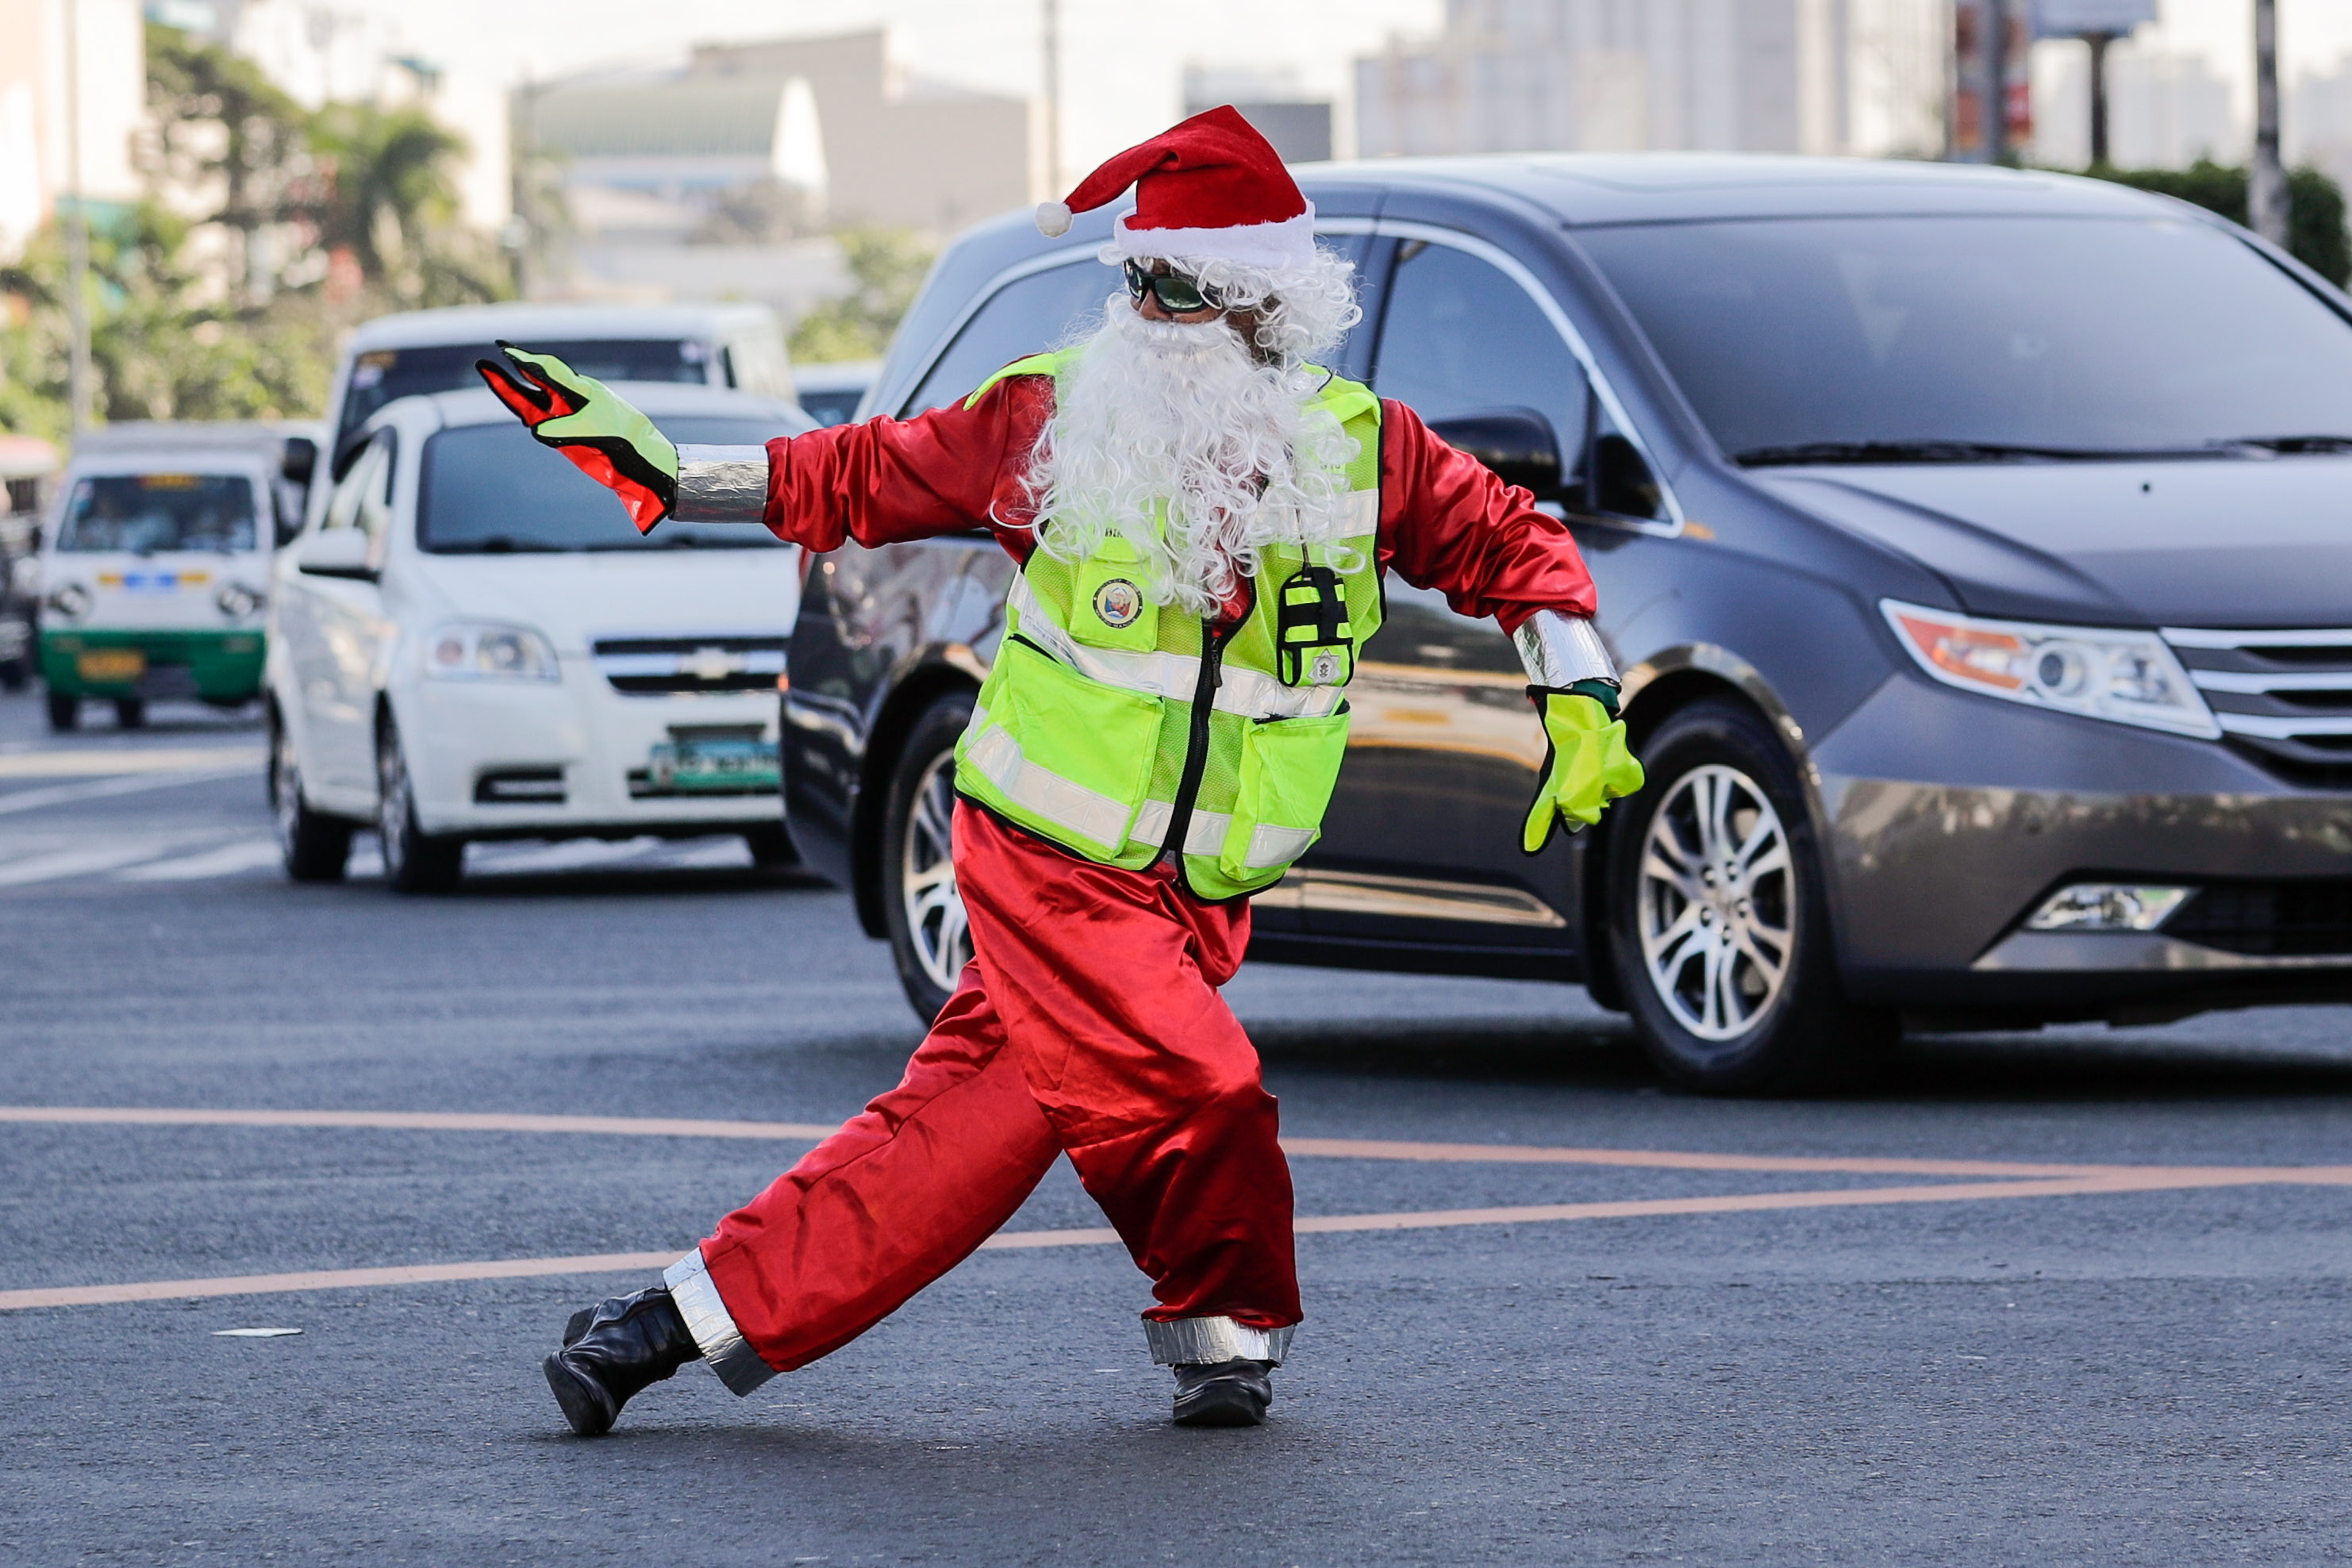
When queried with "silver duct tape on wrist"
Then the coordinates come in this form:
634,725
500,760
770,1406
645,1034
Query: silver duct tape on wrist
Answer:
739,1366
1201,1342
1560,650
721,484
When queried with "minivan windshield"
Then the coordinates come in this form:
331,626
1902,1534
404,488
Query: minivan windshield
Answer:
1968,339
144,513
381,375
490,490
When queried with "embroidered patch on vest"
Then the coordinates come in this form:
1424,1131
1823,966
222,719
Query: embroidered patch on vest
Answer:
1117,603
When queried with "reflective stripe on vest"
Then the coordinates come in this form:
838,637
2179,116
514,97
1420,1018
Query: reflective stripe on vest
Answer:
1090,731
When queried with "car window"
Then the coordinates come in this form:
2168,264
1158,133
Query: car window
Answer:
350,505
1459,336
147,512
1026,316
492,489
2089,333
380,376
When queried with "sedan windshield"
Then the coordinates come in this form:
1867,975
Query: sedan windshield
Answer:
491,489
147,512
1983,339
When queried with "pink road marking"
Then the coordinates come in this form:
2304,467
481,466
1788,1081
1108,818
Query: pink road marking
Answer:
2145,1179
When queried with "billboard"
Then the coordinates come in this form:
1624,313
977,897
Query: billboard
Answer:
2072,18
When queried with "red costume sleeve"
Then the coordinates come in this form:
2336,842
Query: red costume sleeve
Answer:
1448,523
884,481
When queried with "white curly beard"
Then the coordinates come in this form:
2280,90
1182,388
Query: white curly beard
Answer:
1161,411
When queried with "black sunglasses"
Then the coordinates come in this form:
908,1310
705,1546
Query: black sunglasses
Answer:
1178,295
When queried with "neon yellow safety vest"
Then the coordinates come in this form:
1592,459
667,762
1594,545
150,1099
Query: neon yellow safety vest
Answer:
1118,728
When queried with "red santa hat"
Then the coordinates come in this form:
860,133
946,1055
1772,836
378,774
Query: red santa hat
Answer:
1210,189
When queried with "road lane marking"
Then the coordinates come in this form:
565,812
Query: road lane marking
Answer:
70,794
58,864
418,1121
1312,1148
2150,1179
90,763
226,860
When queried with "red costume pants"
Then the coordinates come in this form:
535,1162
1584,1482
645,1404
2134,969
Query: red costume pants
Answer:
1088,1024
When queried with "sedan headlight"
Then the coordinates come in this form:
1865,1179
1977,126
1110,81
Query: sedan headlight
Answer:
468,650
2129,676
70,600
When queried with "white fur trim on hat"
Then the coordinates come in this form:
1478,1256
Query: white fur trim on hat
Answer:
1277,246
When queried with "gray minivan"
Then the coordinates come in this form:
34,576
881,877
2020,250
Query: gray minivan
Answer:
1977,545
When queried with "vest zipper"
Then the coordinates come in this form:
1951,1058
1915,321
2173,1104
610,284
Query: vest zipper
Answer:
1196,748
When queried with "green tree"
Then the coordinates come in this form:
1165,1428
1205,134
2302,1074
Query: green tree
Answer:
392,203
885,267
2316,223
219,120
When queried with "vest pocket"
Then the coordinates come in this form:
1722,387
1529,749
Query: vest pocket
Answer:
1064,755
1287,771
1108,607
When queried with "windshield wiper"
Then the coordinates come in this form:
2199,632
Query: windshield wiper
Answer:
498,545
1927,452
2288,445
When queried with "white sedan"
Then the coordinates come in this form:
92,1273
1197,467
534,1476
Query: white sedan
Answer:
471,641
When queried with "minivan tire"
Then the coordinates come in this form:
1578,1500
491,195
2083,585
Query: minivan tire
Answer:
313,847
928,939
415,861
65,712
1712,1012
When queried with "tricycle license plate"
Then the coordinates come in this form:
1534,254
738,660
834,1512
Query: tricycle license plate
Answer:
112,664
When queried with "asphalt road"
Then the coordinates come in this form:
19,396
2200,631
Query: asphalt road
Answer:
1689,1359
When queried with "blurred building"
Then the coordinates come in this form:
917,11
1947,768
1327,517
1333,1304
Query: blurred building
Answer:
835,120
1298,126
1762,76
2163,111
37,148
2318,121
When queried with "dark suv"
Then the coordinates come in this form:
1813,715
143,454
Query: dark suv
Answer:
1977,546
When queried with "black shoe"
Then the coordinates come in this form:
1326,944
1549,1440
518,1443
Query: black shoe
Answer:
1224,1393
613,1350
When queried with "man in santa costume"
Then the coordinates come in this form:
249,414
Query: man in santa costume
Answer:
1202,516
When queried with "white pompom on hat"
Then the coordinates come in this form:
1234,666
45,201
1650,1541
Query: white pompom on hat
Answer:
1209,189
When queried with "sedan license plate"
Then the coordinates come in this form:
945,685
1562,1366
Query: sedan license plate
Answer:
694,765
112,664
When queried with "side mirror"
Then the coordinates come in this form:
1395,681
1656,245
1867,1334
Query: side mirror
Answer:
1517,444
300,461
337,553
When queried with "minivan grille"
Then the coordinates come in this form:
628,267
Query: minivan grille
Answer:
2280,920
662,667
2284,698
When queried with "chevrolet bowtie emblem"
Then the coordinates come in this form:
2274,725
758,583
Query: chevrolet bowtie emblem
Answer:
712,664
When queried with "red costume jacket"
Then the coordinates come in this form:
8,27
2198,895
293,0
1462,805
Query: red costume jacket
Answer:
1446,522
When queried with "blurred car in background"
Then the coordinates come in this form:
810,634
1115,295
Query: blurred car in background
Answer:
1977,546
155,568
27,464
419,352
471,641
830,392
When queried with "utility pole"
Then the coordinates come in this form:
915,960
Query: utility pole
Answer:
1996,80
2266,194
1052,42
77,385
2099,42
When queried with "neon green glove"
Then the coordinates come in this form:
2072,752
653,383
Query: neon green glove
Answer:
589,422
1587,766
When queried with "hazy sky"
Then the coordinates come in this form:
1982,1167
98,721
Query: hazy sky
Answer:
1122,62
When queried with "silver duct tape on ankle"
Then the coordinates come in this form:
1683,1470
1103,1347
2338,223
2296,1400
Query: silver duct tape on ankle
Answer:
721,484
1196,1341
724,1350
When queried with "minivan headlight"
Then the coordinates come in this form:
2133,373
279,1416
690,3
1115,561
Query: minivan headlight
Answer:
2129,676
468,650
70,600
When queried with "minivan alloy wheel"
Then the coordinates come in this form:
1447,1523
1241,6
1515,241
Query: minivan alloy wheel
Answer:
935,917
1716,902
